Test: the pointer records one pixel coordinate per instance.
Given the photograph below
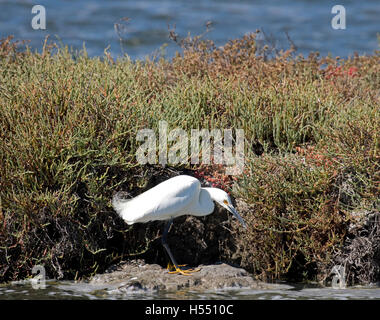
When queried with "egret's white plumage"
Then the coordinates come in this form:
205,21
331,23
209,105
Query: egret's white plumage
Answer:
177,196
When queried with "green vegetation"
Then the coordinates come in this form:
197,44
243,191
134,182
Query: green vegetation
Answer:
68,142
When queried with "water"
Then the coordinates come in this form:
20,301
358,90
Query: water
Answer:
308,23
72,290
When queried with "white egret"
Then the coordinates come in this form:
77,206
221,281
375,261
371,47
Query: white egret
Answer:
177,196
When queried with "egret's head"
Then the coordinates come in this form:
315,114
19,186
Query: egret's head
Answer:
222,197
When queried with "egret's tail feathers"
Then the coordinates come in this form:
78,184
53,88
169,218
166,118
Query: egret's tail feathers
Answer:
120,202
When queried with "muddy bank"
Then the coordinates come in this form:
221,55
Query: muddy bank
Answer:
139,276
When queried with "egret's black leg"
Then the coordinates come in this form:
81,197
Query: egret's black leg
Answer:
166,246
164,243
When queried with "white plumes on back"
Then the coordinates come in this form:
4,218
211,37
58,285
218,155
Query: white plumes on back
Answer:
119,202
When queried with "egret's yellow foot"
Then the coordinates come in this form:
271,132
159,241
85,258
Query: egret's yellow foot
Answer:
171,266
185,272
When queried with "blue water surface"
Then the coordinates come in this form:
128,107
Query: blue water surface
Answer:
92,22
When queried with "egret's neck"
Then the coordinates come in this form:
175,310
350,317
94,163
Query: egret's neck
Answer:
205,205
214,193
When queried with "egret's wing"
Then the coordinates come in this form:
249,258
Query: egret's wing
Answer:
170,198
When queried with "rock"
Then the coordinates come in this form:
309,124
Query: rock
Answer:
136,275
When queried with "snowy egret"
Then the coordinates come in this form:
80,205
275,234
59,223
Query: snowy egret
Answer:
177,196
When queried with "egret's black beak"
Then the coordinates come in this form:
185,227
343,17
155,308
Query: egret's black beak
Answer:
235,213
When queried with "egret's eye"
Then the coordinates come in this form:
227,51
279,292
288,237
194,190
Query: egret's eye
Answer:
225,201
